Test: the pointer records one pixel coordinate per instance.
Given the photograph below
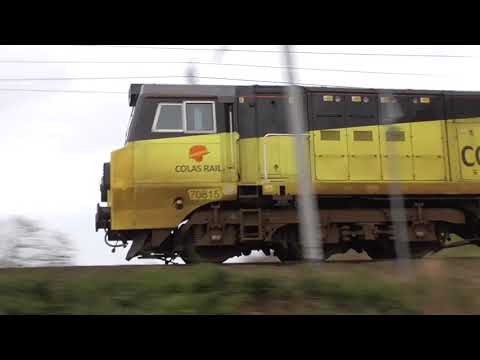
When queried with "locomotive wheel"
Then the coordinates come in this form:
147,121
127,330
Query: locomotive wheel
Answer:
199,255
420,249
381,250
288,247
193,254
286,244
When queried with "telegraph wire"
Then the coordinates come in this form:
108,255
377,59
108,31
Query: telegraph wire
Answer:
279,52
63,91
211,63
152,77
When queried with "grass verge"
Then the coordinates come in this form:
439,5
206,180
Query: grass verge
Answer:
208,289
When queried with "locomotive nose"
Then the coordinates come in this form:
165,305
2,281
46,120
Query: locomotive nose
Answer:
102,218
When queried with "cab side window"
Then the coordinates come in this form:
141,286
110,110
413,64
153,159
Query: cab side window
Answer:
199,117
168,118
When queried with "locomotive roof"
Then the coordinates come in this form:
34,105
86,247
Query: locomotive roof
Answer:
179,90
176,90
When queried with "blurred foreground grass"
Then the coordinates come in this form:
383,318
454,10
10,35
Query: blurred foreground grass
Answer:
433,286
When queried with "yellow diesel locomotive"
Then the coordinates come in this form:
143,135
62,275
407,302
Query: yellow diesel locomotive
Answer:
208,172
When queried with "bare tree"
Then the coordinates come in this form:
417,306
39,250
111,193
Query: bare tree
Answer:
23,242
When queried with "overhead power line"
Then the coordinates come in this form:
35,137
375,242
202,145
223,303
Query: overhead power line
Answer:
150,77
252,81
278,52
63,91
211,63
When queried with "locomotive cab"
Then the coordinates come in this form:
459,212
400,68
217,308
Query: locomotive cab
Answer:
180,154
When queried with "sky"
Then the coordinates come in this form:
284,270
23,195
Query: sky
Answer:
53,143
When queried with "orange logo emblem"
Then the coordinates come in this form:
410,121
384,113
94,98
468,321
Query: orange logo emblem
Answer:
197,152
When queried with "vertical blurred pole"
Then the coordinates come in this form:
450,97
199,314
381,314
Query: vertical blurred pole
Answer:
310,227
220,53
397,202
191,73
398,215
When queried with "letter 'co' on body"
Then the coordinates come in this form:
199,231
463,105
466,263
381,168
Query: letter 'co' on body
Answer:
465,153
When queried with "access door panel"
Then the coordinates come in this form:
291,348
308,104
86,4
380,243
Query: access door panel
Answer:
363,149
277,147
396,150
331,161
362,134
327,120
428,151
395,138
428,139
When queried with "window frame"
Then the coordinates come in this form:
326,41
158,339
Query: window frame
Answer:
183,106
157,116
184,109
130,121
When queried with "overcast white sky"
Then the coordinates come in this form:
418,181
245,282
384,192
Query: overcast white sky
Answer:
53,145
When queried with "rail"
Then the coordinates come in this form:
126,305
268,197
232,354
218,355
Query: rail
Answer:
265,168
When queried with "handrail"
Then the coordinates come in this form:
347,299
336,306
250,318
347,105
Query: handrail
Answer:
233,153
265,171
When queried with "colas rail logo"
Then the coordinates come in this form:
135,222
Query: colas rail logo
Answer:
197,152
